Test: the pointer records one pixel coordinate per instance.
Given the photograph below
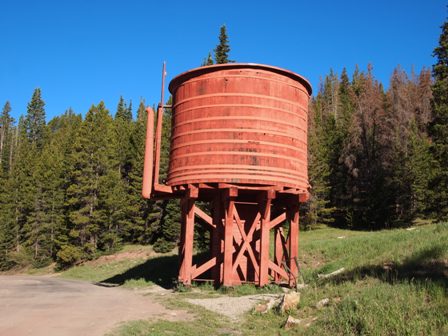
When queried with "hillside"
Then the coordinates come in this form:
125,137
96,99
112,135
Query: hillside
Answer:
393,283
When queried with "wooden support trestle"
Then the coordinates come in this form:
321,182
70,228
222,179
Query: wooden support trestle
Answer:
240,237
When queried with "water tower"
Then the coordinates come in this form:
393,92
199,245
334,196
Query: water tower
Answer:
238,146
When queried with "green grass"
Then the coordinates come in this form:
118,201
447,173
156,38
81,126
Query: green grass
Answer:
322,252
109,270
203,322
395,283
100,272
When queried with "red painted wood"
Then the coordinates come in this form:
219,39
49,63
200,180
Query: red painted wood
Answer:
228,243
293,245
149,155
278,253
185,273
216,247
264,243
239,123
239,141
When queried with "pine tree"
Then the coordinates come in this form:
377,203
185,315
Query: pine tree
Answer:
369,199
122,128
46,218
140,210
340,193
419,171
91,162
123,111
318,209
7,227
65,133
438,128
222,49
20,194
166,228
6,124
208,60
35,119
33,224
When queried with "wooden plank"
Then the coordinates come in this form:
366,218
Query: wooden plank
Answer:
203,268
278,220
277,269
278,251
228,242
293,245
216,238
189,237
247,239
193,191
204,216
264,243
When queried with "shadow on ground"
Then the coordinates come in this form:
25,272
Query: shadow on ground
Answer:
162,271
426,265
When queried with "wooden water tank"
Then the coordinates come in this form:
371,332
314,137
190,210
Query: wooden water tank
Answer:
241,124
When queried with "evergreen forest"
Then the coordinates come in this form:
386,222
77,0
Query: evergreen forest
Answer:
70,187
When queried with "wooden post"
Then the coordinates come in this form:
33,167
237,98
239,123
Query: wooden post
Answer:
181,275
265,208
216,242
229,196
187,240
278,257
293,244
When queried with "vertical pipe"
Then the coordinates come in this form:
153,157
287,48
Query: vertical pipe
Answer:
149,155
159,128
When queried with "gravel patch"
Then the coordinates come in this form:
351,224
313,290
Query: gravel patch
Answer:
232,307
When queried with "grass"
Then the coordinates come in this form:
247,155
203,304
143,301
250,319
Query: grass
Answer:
203,322
130,267
99,272
394,283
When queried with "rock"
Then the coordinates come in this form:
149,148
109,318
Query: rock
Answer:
337,299
388,266
263,308
291,322
307,322
289,301
322,303
301,286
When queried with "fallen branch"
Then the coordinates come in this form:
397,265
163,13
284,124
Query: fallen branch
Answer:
332,274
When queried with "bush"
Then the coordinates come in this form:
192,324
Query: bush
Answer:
68,255
163,246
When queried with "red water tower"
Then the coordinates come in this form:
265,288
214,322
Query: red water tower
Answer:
239,146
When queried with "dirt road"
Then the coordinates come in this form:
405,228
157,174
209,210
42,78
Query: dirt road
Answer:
47,306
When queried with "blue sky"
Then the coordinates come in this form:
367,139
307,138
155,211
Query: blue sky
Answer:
82,52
